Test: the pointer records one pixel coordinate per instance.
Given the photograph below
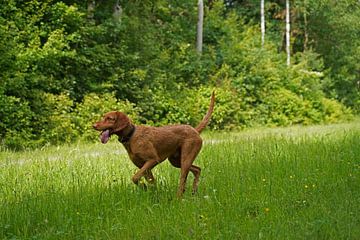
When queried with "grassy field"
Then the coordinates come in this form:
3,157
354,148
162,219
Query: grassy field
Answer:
285,183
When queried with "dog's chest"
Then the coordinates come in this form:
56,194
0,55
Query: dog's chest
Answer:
128,149
135,159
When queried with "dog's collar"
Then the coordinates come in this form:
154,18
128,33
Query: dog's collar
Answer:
126,138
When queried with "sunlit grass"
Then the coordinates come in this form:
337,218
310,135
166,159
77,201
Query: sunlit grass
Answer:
284,183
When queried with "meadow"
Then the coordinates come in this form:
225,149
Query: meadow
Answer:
282,183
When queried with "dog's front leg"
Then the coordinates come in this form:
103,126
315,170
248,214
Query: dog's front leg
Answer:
147,166
149,177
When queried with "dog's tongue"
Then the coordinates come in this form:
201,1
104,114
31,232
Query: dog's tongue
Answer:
105,136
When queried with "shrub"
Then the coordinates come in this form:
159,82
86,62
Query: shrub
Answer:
227,113
15,122
333,111
59,127
284,107
93,107
60,122
167,108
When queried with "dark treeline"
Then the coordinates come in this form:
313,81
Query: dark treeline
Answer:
64,63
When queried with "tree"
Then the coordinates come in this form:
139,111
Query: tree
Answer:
262,13
90,9
199,32
287,33
334,33
306,34
117,11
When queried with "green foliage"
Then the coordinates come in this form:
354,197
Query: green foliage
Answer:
268,92
15,122
284,107
61,121
91,109
341,52
165,108
333,111
58,126
62,67
227,113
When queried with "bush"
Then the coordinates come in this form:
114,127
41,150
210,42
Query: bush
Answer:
333,111
167,108
15,122
93,107
283,108
227,113
60,122
59,126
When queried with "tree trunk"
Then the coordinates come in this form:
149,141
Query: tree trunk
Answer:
306,36
262,13
90,9
117,11
199,32
288,32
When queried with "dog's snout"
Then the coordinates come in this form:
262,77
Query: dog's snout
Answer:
95,125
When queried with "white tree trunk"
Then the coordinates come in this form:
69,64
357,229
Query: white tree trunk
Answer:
199,32
117,11
288,32
90,9
306,36
262,13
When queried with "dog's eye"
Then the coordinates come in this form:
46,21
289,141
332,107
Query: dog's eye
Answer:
110,119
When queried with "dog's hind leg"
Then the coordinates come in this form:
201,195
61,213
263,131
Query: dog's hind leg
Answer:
196,171
189,151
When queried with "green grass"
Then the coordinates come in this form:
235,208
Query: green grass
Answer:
284,183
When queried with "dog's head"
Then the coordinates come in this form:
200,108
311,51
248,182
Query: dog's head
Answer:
111,123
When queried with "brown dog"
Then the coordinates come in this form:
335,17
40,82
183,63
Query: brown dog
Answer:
149,146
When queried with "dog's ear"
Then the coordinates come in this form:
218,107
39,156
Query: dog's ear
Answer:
121,121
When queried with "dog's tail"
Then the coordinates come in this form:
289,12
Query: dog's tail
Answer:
207,117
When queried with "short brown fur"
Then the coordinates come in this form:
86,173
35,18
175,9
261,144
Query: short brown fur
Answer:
149,146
